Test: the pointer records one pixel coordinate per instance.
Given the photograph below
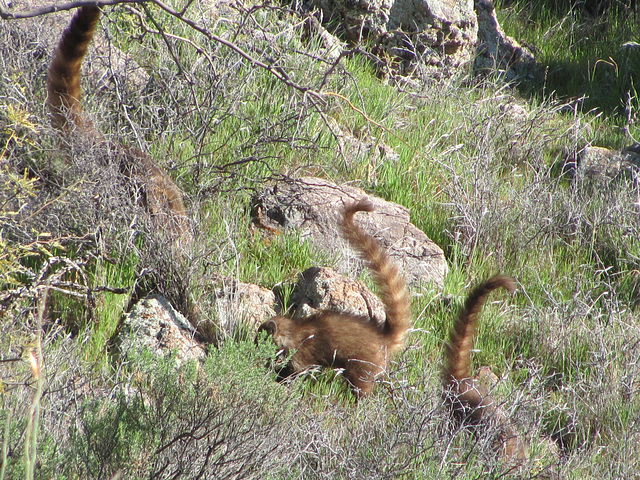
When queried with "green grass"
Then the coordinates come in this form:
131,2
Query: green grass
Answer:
583,54
109,306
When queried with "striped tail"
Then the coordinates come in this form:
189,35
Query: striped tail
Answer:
63,80
457,350
392,288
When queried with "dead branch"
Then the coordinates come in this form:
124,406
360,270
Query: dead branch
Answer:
5,14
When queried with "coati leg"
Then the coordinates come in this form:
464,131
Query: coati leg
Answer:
470,403
349,342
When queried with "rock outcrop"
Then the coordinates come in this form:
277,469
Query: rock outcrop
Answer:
438,37
438,34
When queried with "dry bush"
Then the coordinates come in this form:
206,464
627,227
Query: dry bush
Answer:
507,202
68,381
216,123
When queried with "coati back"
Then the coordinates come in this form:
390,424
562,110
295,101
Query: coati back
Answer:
355,344
160,195
470,402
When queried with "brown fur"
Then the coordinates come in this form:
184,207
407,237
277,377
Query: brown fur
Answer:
161,197
358,345
470,402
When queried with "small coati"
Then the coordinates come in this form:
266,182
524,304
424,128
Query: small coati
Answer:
358,345
470,402
160,196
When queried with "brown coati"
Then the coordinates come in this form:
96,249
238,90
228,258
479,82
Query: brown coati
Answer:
160,196
470,403
358,345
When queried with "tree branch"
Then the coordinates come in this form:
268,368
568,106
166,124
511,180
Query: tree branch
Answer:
274,70
5,14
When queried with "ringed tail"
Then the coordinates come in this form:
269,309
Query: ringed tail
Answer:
392,288
457,363
63,80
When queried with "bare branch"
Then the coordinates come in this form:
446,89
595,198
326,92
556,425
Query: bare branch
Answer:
273,69
36,12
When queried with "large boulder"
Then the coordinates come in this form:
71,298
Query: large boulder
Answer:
313,206
441,34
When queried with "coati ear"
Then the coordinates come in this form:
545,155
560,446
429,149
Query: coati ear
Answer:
270,327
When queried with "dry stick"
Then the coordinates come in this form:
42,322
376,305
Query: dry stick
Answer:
36,12
31,435
275,71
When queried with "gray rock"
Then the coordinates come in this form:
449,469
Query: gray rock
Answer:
233,306
435,33
154,324
237,306
322,288
496,52
598,163
312,206
331,46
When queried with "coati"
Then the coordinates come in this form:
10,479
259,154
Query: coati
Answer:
357,345
160,196
470,403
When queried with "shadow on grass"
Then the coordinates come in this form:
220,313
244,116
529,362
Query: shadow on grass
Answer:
590,50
